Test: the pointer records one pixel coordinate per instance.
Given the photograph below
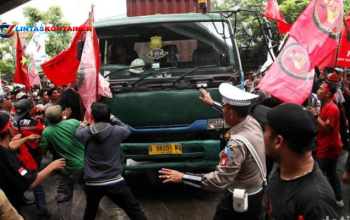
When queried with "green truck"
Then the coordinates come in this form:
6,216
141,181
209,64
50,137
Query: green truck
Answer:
158,98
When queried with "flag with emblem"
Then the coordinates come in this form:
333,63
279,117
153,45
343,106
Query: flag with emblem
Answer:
318,28
288,78
273,12
343,58
21,74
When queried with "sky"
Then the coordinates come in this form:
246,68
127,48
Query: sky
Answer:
74,11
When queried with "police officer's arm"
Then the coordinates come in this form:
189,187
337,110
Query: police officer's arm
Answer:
214,181
209,101
226,172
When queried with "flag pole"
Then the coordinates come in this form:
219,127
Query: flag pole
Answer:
347,30
92,36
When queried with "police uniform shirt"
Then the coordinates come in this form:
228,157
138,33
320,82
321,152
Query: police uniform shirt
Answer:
238,168
15,177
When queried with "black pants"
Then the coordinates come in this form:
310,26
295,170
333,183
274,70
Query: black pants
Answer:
120,194
224,210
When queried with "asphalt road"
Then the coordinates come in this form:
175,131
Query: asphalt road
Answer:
158,201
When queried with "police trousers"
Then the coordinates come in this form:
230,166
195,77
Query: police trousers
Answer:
225,211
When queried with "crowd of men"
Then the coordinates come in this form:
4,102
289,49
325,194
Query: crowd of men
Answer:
304,141
31,124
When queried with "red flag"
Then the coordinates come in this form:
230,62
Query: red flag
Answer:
329,60
288,78
62,68
317,29
343,58
21,74
87,78
273,12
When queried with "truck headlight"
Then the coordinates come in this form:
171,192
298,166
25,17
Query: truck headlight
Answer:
216,123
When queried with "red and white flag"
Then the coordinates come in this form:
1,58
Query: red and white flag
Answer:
343,58
86,79
273,12
288,78
318,28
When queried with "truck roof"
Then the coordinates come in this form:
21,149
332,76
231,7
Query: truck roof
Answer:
159,18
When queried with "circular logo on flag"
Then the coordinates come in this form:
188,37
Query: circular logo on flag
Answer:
294,61
328,17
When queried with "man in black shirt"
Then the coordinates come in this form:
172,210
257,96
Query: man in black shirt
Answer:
298,190
15,177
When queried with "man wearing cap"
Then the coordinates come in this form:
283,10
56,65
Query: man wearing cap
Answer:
60,135
26,126
298,189
6,105
328,143
15,177
241,171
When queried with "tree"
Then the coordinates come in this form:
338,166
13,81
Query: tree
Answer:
58,40
7,56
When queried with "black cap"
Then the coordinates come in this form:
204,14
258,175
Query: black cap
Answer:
2,97
22,107
293,122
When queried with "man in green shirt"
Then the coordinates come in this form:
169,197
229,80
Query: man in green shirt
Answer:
60,136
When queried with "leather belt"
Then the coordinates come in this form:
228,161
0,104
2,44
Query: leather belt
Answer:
250,191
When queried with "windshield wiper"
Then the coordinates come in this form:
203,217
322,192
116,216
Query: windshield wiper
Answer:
126,68
192,70
150,73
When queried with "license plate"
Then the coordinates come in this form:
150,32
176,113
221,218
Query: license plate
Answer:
164,149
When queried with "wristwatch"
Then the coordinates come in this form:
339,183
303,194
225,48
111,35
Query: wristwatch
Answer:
316,116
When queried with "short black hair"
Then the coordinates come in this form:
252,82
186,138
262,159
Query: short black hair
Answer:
296,148
332,87
41,94
49,93
100,112
242,111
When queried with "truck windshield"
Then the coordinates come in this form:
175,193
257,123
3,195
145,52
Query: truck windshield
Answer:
179,46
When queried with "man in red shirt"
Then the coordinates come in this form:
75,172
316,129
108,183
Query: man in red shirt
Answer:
25,125
328,143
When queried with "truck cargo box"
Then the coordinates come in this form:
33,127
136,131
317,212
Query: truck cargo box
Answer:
152,7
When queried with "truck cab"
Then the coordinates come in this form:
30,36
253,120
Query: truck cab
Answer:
155,66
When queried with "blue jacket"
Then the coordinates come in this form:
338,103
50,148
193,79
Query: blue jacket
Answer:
102,151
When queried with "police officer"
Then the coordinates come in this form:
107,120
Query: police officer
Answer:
241,171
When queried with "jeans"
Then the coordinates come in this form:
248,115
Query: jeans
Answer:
119,193
40,198
225,211
330,168
65,193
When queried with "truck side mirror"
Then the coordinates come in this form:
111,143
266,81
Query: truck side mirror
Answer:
247,29
80,49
